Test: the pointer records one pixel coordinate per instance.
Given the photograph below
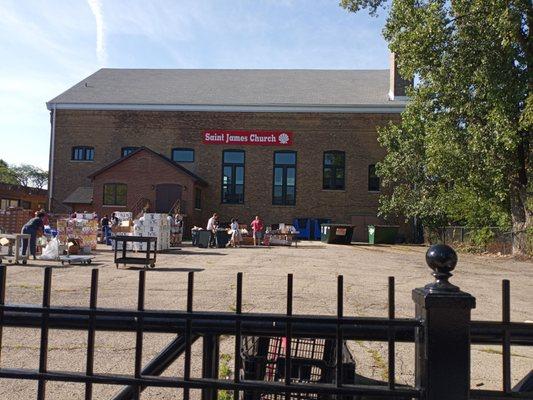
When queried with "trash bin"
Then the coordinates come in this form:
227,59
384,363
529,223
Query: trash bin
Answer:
336,233
316,227
203,239
222,237
303,225
382,234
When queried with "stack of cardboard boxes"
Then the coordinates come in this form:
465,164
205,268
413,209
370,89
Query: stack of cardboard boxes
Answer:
83,230
153,225
149,225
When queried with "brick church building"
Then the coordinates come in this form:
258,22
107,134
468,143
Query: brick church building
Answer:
283,144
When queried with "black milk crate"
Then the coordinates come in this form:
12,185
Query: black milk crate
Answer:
313,360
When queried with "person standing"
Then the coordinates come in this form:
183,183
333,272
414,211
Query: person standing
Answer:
257,228
178,222
104,223
235,233
33,227
212,225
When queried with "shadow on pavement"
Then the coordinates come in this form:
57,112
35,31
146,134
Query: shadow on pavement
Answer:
163,269
200,252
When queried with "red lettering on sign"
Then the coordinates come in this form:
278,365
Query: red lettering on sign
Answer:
248,138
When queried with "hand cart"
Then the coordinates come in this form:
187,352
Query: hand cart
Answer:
14,247
121,245
76,259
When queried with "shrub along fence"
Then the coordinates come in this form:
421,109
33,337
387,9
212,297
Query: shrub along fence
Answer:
486,239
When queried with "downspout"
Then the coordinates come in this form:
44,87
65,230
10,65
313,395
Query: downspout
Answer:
51,158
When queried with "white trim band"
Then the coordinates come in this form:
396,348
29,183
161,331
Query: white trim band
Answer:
370,108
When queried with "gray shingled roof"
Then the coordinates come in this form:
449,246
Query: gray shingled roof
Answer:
82,195
230,87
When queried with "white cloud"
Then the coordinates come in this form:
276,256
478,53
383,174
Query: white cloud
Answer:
96,9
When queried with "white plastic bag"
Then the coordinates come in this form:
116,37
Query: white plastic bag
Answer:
51,251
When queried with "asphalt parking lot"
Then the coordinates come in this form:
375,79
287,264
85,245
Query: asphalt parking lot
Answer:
315,267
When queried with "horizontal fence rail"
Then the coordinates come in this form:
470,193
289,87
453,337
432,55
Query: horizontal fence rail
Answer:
375,329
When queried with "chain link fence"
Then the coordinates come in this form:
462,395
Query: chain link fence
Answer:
486,239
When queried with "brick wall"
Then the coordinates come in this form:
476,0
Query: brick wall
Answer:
142,172
355,134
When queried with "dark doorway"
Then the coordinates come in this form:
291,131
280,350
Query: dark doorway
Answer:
166,196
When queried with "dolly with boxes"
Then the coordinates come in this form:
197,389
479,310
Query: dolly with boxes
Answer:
149,225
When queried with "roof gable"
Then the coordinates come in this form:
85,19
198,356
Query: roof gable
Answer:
158,155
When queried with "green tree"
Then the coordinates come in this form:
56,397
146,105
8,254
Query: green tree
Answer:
462,150
6,173
24,174
29,175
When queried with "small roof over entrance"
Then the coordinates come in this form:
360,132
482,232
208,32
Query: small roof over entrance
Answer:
82,195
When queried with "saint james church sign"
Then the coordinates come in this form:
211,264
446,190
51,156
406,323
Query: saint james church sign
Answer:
248,138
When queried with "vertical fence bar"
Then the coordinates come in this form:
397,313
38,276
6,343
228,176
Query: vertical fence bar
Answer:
288,336
392,343
506,318
188,339
43,351
89,370
340,312
139,333
3,274
237,352
210,360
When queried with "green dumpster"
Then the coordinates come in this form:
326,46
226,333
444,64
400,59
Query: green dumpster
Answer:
336,233
382,234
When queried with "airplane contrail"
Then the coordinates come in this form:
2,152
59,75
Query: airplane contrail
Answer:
96,8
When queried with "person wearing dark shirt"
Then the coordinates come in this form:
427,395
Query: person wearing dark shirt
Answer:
33,227
104,222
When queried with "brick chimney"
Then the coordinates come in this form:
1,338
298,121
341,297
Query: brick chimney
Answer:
397,83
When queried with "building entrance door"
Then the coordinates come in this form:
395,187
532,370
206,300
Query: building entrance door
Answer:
166,196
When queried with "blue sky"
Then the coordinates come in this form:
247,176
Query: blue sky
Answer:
47,46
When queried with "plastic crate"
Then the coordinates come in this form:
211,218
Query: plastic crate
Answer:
312,361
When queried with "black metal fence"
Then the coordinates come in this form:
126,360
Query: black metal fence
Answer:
441,332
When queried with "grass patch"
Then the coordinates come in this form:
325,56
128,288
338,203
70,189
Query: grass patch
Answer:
225,372
379,362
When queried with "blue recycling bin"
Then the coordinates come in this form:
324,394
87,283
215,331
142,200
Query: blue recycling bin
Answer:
303,225
315,227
